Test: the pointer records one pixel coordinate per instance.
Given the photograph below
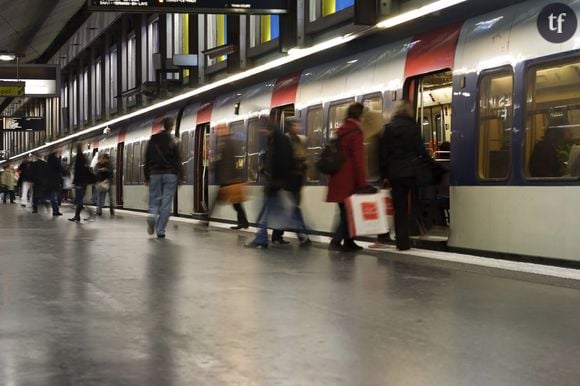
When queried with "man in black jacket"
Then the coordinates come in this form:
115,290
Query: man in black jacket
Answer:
278,163
162,166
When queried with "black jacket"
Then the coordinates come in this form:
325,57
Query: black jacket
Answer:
83,175
55,172
400,143
162,156
278,161
226,171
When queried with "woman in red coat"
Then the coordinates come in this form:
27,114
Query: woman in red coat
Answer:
351,178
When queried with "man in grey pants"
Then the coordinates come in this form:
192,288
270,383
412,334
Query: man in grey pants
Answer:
162,165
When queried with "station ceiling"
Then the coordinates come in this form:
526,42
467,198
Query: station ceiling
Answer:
28,27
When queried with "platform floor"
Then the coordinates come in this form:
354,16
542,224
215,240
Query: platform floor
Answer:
103,303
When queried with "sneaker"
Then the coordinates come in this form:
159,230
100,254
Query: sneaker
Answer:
335,246
150,225
280,242
256,245
160,236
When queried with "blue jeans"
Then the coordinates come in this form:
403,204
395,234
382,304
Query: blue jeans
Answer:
161,192
101,195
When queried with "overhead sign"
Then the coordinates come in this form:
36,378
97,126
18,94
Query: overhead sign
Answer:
191,6
40,80
11,89
23,124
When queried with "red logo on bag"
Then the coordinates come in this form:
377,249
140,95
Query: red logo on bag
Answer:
389,206
369,211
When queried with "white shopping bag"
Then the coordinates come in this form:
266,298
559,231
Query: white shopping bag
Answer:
365,213
389,212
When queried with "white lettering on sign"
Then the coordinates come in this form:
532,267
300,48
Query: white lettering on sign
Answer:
559,20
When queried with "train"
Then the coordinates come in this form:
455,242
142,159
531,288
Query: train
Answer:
490,87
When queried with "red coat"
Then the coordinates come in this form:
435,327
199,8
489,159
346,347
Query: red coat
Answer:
352,176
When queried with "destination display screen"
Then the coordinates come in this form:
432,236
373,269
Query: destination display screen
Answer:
191,6
22,123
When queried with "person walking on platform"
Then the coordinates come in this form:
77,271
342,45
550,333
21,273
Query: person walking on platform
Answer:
104,185
278,162
400,144
228,175
82,178
351,178
162,167
55,174
8,180
25,179
296,180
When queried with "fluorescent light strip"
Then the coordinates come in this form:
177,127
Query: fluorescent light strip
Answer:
417,13
293,55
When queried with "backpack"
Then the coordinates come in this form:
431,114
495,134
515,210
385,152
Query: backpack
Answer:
331,159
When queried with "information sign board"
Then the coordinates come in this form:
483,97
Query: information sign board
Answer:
11,89
22,124
191,6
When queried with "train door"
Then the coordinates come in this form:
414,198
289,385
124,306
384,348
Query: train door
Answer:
430,95
278,115
201,168
120,153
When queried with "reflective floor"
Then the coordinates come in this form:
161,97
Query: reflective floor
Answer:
102,303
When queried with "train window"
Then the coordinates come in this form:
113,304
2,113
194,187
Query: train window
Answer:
315,139
553,121
336,115
495,121
253,149
128,163
372,130
238,135
185,158
278,115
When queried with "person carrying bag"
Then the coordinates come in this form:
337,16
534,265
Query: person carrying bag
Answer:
404,162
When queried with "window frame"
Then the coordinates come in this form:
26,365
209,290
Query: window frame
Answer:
350,100
481,75
252,122
312,156
560,58
323,23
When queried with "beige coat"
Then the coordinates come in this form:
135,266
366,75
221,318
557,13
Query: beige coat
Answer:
8,177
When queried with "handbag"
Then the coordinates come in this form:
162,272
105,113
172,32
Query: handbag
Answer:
232,194
103,186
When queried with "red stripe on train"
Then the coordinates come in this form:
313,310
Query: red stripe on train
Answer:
432,51
285,90
204,113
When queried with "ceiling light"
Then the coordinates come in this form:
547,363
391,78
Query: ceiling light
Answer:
7,56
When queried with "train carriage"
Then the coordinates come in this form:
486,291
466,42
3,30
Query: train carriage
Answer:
490,86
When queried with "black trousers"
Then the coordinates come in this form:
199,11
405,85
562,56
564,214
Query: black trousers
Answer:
400,191
242,219
8,192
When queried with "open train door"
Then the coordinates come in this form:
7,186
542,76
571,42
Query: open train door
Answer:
201,169
430,95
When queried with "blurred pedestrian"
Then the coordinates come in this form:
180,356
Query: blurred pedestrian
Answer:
296,180
400,145
25,179
229,176
162,167
351,178
104,185
8,180
54,182
83,177
278,162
